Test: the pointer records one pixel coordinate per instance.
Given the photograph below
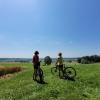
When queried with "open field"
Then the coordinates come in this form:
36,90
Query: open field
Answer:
20,86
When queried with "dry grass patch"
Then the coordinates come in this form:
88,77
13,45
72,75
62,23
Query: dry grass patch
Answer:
9,70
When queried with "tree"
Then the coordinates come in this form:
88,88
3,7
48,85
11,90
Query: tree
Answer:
47,60
89,59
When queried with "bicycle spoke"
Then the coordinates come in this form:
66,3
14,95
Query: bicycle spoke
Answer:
70,72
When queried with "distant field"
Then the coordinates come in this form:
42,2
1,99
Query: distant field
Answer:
20,86
28,59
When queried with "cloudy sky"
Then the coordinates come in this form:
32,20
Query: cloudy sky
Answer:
49,26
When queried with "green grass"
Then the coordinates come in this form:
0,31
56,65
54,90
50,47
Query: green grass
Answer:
20,86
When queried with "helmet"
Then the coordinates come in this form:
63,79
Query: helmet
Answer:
60,54
36,52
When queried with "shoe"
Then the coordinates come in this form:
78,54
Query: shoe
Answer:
42,82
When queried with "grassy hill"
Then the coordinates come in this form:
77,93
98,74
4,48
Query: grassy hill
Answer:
20,86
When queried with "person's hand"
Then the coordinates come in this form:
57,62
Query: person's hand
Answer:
40,61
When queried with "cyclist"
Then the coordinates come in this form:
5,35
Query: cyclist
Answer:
35,62
59,63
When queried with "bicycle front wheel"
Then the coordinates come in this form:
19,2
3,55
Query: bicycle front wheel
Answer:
40,75
69,72
54,70
40,72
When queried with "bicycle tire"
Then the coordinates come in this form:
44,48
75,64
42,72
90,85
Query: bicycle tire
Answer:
69,72
39,75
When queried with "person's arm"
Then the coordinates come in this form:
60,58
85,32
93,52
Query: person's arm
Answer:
33,60
56,61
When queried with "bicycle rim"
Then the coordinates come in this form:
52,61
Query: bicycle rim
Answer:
70,72
39,75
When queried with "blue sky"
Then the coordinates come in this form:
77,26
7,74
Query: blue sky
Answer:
49,26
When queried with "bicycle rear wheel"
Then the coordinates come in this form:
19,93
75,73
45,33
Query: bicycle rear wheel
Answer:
69,72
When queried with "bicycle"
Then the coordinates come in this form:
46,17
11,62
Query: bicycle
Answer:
38,76
68,72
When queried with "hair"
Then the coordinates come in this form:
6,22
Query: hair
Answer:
36,52
60,54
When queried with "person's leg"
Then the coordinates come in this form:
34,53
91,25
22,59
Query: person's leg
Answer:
35,72
41,78
62,70
59,71
61,74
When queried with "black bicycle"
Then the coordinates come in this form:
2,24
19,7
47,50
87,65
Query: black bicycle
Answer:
67,71
38,76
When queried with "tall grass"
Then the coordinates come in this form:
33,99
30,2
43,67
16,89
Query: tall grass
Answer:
9,70
21,87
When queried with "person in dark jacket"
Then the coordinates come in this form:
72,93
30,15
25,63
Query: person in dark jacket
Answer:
36,63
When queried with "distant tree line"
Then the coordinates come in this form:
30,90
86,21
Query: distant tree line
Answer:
89,59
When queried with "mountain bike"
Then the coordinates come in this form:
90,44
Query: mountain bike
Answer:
38,75
67,72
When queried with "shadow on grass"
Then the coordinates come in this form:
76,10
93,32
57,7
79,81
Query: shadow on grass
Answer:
70,79
43,82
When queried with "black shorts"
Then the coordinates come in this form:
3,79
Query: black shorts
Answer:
36,65
60,67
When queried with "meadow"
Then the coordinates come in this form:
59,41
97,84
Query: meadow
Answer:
20,86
